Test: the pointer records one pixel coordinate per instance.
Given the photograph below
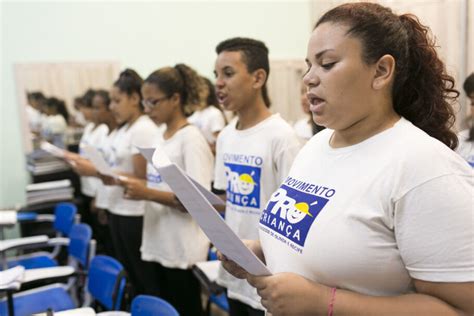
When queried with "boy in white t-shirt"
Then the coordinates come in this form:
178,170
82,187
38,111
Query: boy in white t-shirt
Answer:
253,154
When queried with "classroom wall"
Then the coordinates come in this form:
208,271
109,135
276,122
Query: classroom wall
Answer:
140,35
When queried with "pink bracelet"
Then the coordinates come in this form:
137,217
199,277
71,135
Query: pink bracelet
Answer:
331,301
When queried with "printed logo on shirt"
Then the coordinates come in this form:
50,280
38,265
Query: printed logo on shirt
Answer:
292,210
470,161
113,158
155,178
243,185
81,148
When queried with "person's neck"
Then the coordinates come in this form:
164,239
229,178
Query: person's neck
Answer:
111,124
174,125
364,128
133,118
252,114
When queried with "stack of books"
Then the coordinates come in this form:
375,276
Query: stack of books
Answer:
50,191
41,162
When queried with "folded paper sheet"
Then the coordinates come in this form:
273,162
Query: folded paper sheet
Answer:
98,161
53,150
211,197
199,205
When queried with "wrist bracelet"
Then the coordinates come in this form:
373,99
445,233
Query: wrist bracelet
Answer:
331,301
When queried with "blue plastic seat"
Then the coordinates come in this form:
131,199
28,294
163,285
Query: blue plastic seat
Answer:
220,300
64,217
39,300
80,236
146,305
34,262
106,281
106,284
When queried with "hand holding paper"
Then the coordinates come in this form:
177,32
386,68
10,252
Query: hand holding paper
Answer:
211,197
98,161
135,189
53,150
198,205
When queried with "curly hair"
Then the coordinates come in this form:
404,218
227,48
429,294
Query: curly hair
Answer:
422,92
184,81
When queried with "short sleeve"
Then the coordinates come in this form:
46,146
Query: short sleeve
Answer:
434,229
198,159
145,134
285,153
217,122
220,180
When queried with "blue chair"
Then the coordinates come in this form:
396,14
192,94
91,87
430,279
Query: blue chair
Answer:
106,283
79,250
146,305
217,294
63,220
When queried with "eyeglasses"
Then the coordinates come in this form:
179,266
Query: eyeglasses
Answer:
153,103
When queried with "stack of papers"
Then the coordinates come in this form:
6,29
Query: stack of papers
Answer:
46,164
48,158
50,191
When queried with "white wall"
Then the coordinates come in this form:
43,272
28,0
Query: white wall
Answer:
140,35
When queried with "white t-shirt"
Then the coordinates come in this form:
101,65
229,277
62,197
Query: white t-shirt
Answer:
209,120
80,119
54,124
171,237
250,165
465,147
103,195
34,118
303,129
92,136
144,133
370,217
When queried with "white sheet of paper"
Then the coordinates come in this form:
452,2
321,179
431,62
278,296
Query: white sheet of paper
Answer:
207,217
49,185
211,197
53,150
98,161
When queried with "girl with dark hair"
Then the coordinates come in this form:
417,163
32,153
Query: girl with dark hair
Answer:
92,135
375,216
34,110
83,106
95,134
306,128
126,216
171,238
209,118
466,137
55,124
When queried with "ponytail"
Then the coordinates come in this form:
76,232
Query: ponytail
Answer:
130,82
424,92
184,81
